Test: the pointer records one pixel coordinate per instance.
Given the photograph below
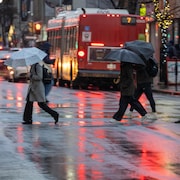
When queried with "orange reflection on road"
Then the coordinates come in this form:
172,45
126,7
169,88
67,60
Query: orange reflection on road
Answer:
9,94
15,95
81,105
81,109
19,104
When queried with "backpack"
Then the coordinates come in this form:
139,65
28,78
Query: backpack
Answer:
47,76
152,67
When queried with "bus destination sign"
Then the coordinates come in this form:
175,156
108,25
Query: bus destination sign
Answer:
128,20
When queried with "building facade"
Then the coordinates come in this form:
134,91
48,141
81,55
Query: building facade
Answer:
25,11
174,30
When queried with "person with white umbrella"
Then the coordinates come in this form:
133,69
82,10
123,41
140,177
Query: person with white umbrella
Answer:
36,92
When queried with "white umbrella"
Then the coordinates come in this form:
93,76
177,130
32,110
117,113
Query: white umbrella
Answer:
25,57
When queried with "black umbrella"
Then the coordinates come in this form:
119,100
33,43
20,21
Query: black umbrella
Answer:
124,55
144,49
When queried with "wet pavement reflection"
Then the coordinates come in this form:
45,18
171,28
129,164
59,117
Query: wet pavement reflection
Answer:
85,144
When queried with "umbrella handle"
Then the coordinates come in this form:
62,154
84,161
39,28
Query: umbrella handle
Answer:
116,81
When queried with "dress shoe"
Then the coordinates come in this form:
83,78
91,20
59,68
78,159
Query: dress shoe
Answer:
116,117
56,117
27,122
177,121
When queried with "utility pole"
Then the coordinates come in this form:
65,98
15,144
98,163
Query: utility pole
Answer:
2,35
78,3
31,20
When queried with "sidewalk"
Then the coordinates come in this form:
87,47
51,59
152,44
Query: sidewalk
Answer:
171,89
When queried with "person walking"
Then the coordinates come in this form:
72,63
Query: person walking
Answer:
48,85
144,82
127,92
171,50
36,92
47,62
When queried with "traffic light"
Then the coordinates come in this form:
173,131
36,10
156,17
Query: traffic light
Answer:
142,10
31,27
37,27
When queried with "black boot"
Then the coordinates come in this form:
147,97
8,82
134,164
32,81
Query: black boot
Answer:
27,116
56,118
27,122
116,117
177,121
46,108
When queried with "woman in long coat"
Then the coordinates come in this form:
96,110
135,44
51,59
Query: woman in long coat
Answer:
36,92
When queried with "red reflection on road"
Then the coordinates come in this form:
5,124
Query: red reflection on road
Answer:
81,171
17,95
85,108
20,140
96,154
155,159
144,101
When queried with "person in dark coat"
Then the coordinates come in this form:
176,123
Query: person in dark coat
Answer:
47,63
171,50
144,82
48,86
127,92
36,92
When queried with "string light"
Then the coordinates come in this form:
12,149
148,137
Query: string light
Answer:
163,16
164,19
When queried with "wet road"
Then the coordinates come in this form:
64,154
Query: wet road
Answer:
86,144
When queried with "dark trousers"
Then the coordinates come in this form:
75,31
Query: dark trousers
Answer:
123,104
147,90
27,116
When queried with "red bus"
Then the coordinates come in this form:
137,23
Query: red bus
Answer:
81,39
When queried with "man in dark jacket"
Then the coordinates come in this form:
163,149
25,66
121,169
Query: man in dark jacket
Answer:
47,63
127,92
144,82
171,50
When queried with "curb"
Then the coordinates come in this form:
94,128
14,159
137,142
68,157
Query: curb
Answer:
167,91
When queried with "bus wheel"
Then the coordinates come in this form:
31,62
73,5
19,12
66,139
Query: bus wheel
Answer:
55,82
74,85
